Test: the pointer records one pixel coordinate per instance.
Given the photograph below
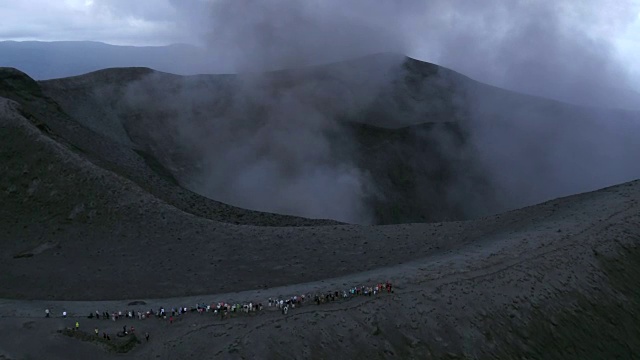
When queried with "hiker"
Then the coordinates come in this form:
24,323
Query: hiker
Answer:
46,313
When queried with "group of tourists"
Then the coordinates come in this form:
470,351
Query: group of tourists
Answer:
226,310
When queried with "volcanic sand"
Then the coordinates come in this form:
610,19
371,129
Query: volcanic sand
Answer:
559,279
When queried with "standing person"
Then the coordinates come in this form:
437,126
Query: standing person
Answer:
77,325
97,332
64,314
46,313
146,336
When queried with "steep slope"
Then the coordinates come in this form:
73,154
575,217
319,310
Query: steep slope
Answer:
91,225
358,120
556,280
60,211
131,162
194,126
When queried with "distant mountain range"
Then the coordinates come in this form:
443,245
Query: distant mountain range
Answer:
51,60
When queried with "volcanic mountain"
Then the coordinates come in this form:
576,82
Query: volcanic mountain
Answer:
379,140
132,184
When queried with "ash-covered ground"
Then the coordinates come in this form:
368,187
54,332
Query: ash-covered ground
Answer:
115,187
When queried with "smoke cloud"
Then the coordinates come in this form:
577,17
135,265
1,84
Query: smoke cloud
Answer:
275,155
263,140
277,34
555,49
270,149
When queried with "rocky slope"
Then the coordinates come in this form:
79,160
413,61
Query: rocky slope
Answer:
553,281
410,141
94,214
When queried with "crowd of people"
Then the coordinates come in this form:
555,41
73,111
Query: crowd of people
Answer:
225,310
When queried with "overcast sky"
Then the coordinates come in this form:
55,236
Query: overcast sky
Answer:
454,33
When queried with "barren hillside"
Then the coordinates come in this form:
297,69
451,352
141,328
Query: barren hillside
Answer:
95,213
382,139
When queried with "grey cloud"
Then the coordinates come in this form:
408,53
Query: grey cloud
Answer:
556,49
269,149
264,144
151,10
260,35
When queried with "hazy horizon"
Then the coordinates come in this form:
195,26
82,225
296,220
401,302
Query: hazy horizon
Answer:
197,63
563,49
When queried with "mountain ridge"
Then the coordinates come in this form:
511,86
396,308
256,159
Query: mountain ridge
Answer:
96,217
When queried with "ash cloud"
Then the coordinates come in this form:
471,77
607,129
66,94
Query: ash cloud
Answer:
274,155
269,150
265,35
260,141
534,150
556,49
